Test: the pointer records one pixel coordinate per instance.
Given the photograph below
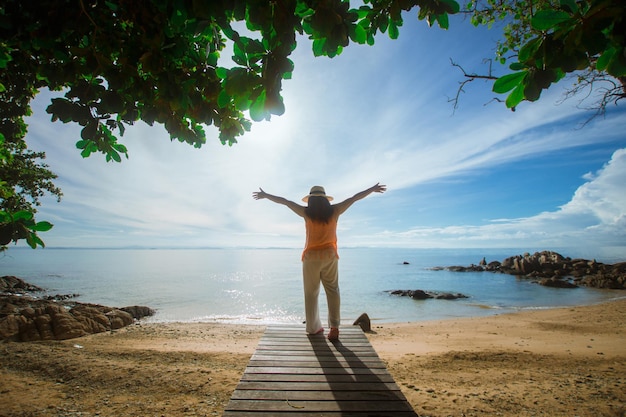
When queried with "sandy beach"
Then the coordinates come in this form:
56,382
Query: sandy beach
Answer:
558,362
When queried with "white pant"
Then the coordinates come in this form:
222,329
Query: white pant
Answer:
320,266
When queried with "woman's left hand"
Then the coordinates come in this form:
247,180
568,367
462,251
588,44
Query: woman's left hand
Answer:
258,195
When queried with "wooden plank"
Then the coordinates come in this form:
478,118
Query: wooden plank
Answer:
312,363
315,395
277,350
294,331
294,374
324,357
337,377
353,349
282,370
297,413
355,343
306,345
318,386
312,339
357,352
317,406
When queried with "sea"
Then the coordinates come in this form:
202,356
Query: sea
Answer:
264,286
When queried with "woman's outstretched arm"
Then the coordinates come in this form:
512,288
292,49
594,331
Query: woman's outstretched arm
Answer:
295,207
344,205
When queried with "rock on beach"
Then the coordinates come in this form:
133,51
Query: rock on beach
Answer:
425,295
13,285
25,318
553,269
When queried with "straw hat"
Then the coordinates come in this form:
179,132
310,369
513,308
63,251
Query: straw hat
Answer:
317,191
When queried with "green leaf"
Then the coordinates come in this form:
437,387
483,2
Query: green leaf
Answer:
393,30
383,24
318,47
5,58
303,10
570,5
603,61
617,65
42,226
443,21
115,156
89,149
223,99
22,215
92,147
240,55
362,12
89,131
221,72
547,19
33,240
257,109
359,35
508,82
516,97
452,6
120,148
111,5
529,49
30,239
532,89
613,62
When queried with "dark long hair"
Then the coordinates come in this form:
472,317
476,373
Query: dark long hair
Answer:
319,209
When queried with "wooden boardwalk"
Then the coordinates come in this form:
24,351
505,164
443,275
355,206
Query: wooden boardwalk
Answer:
294,374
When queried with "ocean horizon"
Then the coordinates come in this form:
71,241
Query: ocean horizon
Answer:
264,285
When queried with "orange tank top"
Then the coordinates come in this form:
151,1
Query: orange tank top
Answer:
320,235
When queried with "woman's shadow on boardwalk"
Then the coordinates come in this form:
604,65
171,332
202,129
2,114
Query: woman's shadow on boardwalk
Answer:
358,379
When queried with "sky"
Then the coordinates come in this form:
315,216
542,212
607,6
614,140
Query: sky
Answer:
478,176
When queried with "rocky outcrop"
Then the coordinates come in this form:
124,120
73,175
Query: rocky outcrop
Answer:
557,283
553,269
26,318
364,322
13,285
138,312
425,295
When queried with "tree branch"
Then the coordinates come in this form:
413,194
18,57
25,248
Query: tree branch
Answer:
601,89
468,79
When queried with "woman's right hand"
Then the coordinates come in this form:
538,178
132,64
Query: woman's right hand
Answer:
379,188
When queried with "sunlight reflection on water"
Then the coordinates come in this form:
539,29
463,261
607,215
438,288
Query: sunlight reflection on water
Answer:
265,286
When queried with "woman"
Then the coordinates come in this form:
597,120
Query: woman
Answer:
319,258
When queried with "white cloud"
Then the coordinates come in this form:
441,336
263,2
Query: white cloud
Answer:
372,114
596,215
603,196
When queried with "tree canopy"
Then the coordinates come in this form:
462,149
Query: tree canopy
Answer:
548,39
117,62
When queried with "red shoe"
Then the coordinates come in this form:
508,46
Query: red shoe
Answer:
333,335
